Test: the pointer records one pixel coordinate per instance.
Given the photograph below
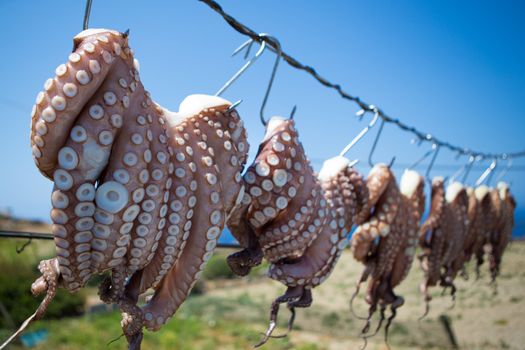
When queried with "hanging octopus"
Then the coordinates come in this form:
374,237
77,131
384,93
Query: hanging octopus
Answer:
138,190
296,221
486,218
387,239
457,225
473,229
442,237
502,233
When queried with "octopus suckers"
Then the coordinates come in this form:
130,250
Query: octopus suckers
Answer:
111,196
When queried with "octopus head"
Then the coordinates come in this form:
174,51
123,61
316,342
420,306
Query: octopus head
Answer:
411,183
503,189
98,34
453,190
332,167
192,105
481,192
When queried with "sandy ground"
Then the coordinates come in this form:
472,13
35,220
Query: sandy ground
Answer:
479,319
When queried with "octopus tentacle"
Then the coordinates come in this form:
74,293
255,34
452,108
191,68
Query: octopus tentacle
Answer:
292,294
80,162
47,283
148,226
381,190
318,260
388,256
303,302
202,235
65,95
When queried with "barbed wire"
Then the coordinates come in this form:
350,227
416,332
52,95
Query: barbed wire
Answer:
365,107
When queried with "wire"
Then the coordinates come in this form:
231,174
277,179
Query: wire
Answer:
365,107
49,236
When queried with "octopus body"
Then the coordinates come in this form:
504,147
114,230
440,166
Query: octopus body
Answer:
385,242
277,218
473,214
298,224
339,184
456,214
486,218
138,190
502,233
443,236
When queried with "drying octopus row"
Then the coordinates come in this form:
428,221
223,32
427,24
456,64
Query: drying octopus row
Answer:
144,193
462,223
299,222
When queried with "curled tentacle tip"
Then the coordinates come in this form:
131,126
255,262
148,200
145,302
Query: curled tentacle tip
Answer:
39,286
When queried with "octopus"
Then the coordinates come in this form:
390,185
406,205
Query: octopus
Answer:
502,232
486,218
140,192
473,215
297,221
443,236
386,240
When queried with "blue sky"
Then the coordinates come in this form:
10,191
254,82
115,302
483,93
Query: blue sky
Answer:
455,69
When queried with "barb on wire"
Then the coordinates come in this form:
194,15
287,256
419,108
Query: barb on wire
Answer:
244,30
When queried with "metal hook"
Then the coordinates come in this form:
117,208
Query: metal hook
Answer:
505,171
468,168
278,52
487,172
461,169
370,162
244,67
362,133
87,12
427,173
425,156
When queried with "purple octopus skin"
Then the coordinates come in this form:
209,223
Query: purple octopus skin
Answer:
502,232
138,190
304,232
486,218
385,242
443,237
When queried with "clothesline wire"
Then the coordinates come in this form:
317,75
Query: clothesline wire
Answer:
48,236
365,107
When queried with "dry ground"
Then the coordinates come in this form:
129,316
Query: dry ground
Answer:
480,319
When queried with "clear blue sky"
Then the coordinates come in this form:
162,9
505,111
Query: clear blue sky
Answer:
453,68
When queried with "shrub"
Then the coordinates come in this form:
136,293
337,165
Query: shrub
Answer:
15,291
217,268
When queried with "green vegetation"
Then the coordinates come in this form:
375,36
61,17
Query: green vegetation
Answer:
15,294
217,268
